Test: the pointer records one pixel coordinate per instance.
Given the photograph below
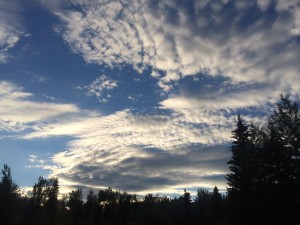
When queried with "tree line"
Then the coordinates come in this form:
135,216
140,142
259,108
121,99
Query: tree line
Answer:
263,188
43,206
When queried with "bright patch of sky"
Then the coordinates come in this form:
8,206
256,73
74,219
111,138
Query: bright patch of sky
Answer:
138,95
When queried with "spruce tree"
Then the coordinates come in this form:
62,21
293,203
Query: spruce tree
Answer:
243,173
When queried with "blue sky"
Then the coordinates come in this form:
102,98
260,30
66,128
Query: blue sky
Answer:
138,95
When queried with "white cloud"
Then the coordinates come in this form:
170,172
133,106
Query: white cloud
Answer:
122,148
35,159
10,27
18,109
99,86
287,4
142,34
256,59
222,100
263,4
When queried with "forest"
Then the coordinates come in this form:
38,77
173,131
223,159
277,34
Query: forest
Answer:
263,188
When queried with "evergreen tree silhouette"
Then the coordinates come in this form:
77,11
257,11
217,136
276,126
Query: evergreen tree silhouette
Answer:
186,213
245,169
203,206
216,199
264,182
51,203
8,197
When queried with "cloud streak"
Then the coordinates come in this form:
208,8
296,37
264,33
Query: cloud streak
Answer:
18,109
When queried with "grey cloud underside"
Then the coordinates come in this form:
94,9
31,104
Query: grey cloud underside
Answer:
137,186
157,171
122,149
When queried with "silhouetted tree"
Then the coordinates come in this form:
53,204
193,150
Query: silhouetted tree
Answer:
8,197
203,206
51,201
93,208
265,165
216,199
186,214
243,167
43,204
124,206
75,204
38,193
282,163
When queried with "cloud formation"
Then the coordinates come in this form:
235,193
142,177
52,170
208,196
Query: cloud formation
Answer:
250,48
11,29
17,108
140,153
176,38
99,86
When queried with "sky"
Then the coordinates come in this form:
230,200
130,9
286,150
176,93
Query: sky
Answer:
139,95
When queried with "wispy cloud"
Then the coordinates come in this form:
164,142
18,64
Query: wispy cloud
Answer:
11,29
17,108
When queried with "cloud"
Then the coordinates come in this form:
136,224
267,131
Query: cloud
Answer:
35,159
99,86
17,108
228,99
263,4
251,54
11,29
185,144
139,153
175,41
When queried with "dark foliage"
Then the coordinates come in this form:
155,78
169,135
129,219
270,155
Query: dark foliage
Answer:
8,197
264,182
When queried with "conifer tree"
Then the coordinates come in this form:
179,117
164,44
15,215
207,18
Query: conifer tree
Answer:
243,172
8,196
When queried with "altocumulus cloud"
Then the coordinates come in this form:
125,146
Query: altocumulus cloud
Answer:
180,38
252,45
99,86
